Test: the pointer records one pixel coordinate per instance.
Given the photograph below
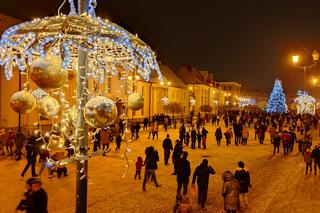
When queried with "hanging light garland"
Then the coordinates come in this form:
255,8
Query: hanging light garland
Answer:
46,50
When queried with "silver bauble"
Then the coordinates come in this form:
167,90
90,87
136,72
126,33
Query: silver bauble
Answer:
100,112
135,101
22,102
48,107
47,73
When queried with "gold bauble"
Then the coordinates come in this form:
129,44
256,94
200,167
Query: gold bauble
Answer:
22,102
48,107
135,101
47,73
100,112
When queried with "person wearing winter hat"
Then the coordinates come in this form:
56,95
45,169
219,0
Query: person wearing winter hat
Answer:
242,175
230,192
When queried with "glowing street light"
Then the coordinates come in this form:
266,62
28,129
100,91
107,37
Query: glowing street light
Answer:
314,81
295,59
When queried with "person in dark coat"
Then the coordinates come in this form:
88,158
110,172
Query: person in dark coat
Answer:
137,128
32,152
38,200
315,154
183,172
276,143
167,148
201,174
23,204
97,140
293,139
193,138
177,152
19,139
199,137
235,133
230,192
218,135
204,134
151,160
182,133
118,141
242,175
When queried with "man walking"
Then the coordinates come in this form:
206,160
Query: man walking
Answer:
32,152
315,154
193,138
201,174
183,172
167,148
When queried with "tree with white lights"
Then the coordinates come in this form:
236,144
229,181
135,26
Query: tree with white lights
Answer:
277,100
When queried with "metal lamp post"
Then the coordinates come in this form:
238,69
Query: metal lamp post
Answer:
296,59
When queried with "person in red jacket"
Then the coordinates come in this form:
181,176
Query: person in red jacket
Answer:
286,140
139,165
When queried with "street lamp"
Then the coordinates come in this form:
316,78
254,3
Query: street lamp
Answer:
296,59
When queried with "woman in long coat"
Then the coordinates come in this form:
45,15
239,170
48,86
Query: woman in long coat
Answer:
230,192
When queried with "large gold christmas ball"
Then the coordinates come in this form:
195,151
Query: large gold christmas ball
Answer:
47,73
48,107
100,112
22,102
135,101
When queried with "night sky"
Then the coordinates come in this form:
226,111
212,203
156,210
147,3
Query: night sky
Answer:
240,40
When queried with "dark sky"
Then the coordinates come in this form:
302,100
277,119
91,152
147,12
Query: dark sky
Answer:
238,40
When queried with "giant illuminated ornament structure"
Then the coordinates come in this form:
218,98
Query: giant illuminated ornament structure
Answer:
306,104
89,47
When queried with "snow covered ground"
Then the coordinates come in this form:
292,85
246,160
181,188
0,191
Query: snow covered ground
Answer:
279,182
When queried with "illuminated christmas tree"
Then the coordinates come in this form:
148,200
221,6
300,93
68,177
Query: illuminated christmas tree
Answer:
277,100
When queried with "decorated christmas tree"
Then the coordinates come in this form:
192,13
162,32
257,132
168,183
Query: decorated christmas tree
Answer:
277,100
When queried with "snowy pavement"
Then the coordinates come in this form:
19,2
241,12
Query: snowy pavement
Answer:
279,182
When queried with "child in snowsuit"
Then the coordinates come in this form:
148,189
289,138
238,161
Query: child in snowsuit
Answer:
139,165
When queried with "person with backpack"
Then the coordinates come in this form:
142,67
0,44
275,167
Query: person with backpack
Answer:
228,136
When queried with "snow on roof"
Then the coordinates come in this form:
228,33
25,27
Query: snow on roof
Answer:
190,76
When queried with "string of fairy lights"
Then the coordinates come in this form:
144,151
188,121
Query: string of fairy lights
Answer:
46,51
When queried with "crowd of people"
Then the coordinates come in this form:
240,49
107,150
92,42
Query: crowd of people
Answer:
285,130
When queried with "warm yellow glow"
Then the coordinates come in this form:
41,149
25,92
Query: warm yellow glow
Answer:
315,56
190,88
161,82
130,77
137,77
295,58
169,83
314,80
